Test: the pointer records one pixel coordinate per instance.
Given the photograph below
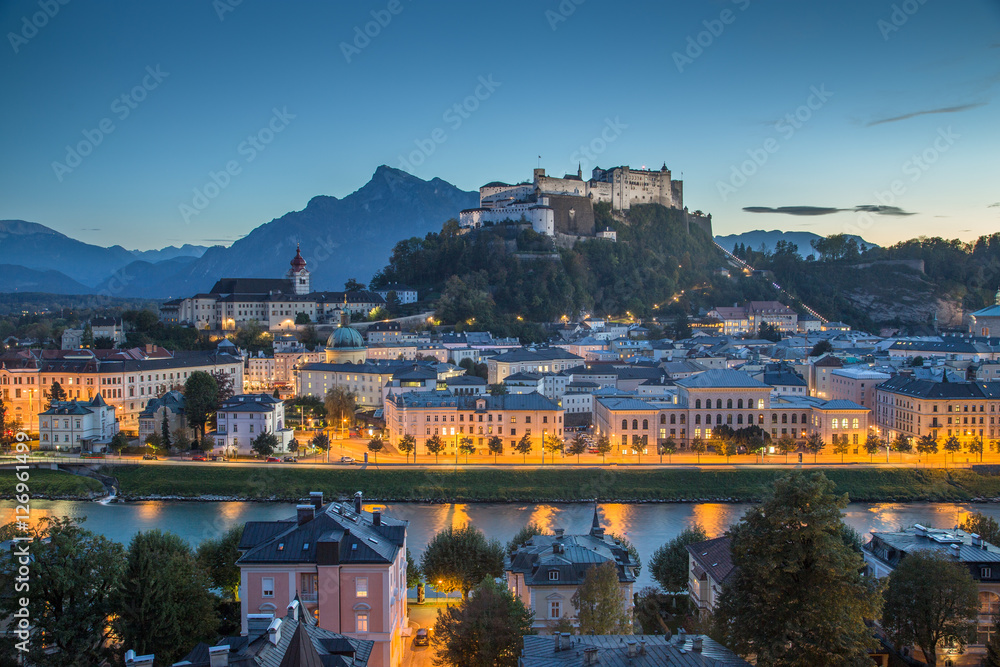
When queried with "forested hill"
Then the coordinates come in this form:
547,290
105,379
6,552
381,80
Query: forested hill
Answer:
491,278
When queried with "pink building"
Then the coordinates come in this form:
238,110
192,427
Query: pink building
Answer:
856,384
346,565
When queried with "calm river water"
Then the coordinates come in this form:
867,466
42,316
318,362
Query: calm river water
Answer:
647,526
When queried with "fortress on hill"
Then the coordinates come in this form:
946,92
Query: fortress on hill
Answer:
553,205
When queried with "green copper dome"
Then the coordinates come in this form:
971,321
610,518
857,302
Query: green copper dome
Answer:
345,338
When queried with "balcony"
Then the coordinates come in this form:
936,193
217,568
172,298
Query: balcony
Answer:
309,597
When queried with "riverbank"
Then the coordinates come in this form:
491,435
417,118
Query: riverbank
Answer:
287,483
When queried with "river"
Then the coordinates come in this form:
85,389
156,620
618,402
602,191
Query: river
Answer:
647,526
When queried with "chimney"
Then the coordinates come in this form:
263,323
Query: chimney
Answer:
977,541
133,660
558,641
305,513
696,644
377,518
642,647
565,641
274,631
357,502
559,533
590,656
632,648
316,498
920,530
293,610
218,656
257,625
955,551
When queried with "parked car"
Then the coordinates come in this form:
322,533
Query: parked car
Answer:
273,459
346,459
150,457
198,458
290,459
422,638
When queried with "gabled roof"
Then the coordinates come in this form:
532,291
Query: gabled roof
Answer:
714,557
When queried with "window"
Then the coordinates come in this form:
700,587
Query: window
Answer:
361,624
361,587
985,573
697,404
267,587
554,575
635,424
554,610
624,424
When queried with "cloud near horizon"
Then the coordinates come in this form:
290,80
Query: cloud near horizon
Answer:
925,112
826,210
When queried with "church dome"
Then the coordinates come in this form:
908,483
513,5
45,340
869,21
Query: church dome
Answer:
298,263
345,338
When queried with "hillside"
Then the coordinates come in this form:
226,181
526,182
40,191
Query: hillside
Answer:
14,278
37,247
769,239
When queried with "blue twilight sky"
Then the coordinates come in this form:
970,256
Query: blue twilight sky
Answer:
842,104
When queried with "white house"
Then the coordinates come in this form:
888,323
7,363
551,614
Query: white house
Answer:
89,425
241,419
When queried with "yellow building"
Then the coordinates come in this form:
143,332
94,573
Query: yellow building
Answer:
966,410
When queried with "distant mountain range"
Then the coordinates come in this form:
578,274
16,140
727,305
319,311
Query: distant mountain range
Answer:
340,239
759,237
19,279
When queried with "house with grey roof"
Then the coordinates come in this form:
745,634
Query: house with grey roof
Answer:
681,650
86,426
709,565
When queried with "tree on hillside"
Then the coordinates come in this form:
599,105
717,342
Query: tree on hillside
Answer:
408,445
495,446
484,630
457,559
984,526
669,563
603,446
600,604
340,404
522,536
523,446
769,331
817,602
931,601
201,398
822,347
164,603
435,446
353,285
75,576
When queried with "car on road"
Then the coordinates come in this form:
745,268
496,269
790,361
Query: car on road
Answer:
198,458
290,459
422,638
150,457
346,459
273,459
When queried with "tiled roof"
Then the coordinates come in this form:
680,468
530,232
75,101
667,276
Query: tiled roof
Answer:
714,557
841,404
612,651
720,378
531,401
540,354
907,386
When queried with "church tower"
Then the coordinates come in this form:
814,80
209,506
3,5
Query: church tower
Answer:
299,274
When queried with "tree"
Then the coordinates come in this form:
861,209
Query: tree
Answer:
218,556
603,446
375,446
56,393
466,445
993,645
434,446
577,446
793,568
457,559
786,445
698,447
814,444
953,446
668,447
340,404
413,575
600,604
498,389
104,343
522,536
164,603
727,448
927,444
154,441
495,446
75,576
302,318
630,548
669,563
841,446
87,340
984,526
201,398
353,285
165,430
484,630
225,383
523,446
119,441
770,332
408,445
902,444
553,444
931,601
872,444
321,441
975,446
264,444
822,347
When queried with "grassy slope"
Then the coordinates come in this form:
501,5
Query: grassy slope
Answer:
50,483
862,484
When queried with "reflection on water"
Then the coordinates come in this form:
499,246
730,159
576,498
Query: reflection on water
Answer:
647,526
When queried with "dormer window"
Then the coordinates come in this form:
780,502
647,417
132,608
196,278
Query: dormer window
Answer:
553,575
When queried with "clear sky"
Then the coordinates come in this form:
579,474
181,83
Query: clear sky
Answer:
835,105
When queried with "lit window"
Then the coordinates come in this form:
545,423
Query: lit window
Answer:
554,610
362,623
361,587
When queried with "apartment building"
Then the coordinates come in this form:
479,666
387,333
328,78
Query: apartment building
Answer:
88,425
912,407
